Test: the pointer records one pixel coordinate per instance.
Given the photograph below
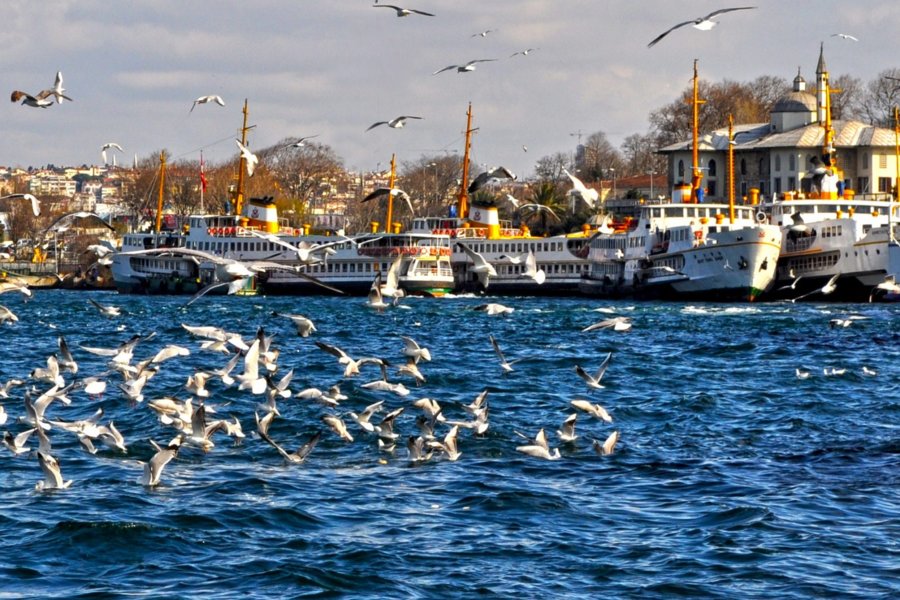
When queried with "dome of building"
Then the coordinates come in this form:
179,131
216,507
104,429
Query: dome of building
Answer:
795,102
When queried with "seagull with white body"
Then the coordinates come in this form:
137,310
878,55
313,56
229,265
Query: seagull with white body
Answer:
16,444
303,324
449,445
566,432
494,308
480,266
801,373
301,141
593,381
412,349
506,365
35,203
826,289
589,195
395,123
845,36
363,419
607,447
431,408
415,447
490,176
57,90
154,468
532,209
524,52
106,311
531,269
540,448
466,68
250,159
7,316
614,323
403,12
250,378
702,23
594,410
205,100
300,454
337,426
52,476
108,146
29,100
384,192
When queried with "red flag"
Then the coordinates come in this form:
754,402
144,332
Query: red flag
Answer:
203,181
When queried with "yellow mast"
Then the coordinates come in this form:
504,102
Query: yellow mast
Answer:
390,200
162,187
730,169
697,174
239,192
463,204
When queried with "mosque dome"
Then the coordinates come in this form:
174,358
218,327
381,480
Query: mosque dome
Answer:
795,102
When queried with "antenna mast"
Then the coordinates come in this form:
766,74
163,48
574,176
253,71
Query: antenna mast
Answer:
463,205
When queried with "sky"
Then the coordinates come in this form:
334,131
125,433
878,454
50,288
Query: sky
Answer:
333,67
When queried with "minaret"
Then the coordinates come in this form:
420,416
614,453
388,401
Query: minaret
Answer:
821,86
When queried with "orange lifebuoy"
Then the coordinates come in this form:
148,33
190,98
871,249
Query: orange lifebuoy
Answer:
434,251
211,231
698,234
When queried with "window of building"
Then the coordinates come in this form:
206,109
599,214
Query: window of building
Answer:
792,163
712,168
791,183
882,161
681,168
865,161
777,163
743,166
777,182
884,184
862,185
711,188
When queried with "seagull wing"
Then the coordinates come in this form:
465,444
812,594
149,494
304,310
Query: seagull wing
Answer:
447,68
668,31
376,124
725,10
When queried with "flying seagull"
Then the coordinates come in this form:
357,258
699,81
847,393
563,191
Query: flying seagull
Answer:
251,159
825,289
702,23
106,147
469,66
383,192
29,100
35,203
524,52
845,36
205,99
395,123
301,141
403,12
490,176
483,33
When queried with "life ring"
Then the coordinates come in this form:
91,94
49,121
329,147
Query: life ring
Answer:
211,231
434,251
761,217
698,234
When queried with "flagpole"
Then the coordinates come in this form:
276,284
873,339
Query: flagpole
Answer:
202,183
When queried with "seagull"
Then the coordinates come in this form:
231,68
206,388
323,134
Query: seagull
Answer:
363,419
29,100
205,99
826,289
301,142
413,350
403,12
702,23
106,147
589,195
153,469
531,269
566,432
489,176
57,90
375,299
249,158
480,266
845,36
300,454
7,315
504,364
395,123
614,323
250,378
337,426
384,192
524,52
593,381
448,446
792,285
415,446
540,448
52,476
607,447
106,311
801,373
16,444
494,308
303,324
483,33
35,203
466,68
594,410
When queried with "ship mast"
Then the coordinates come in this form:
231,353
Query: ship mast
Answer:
463,204
897,153
696,173
238,197
390,199
162,187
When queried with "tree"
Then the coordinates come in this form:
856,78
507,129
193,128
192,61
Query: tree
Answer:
548,195
880,97
640,157
846,103
597,157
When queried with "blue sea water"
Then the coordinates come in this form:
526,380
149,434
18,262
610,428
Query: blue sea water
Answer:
732,477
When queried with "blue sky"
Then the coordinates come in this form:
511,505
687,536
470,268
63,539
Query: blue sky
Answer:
333,67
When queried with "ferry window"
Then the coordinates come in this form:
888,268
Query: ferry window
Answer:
344,268
353,268
711,167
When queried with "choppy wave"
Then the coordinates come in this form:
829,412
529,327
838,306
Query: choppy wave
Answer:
732,477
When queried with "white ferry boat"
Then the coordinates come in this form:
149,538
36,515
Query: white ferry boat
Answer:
347,264
827,237
684,251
